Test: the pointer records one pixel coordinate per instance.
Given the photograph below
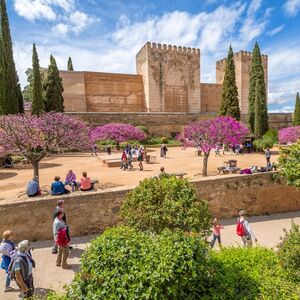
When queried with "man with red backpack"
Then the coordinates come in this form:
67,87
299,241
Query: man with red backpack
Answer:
62,239
244,230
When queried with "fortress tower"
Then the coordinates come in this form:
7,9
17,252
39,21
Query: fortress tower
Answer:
242,61
171,77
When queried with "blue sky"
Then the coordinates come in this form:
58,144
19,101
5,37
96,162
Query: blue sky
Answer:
105,35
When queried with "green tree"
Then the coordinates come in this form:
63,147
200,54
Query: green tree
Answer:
37,97
53,89
230,102
20,98
9,102
296,118
257,78
70,64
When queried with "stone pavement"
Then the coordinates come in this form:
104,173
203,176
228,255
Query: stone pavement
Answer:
48,277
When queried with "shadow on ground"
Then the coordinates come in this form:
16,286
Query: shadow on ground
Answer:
7,175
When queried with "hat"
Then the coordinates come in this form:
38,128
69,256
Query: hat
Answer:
242,212
23,246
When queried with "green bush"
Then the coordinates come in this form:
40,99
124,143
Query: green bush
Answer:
166,203
263,143
271,134
164,140
289,251
253,273
124,263
106,143
144,129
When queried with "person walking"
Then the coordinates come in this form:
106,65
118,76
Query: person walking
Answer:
21,269
124,164
140,158
7,248
216,233
165,150
244,230
59,207
268,155
62,239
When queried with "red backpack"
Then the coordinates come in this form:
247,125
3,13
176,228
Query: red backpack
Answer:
240,228
62,237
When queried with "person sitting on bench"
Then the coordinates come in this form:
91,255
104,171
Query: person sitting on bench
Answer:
8,162
58,188
85,183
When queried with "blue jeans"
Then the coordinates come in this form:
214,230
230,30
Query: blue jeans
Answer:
214,238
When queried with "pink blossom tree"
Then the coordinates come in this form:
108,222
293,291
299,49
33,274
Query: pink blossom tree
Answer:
207,134
35,137
289,135
117,132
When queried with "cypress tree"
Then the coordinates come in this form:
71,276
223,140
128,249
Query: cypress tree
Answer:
9,103
258,132
257,78
230,102
20,98
296,118
53,89
37,106
70,64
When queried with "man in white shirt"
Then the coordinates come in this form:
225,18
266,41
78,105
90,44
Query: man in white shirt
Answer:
248,235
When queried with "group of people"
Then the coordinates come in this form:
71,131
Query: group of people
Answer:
128,155
58,187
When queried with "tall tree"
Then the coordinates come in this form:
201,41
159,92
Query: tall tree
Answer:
257,77
20,97
257,106
70,64
37,106
296,118
8,76
53,89
230,102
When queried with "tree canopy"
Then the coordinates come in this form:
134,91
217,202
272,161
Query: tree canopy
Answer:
70,64
296,118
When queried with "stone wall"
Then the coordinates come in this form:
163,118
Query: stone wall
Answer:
211,97
91,212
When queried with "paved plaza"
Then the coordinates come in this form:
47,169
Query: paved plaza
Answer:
13,181
268,230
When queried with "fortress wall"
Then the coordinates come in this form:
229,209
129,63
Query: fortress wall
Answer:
106,92
91,212
211,97
74,91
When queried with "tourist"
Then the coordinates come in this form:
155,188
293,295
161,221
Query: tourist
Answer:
71,180
248,146
165,150
7,247
130,158
216,232
94,150
237,149
85,183
140,158
161,150
62,239
124,164
58,188
21,268
108,150
217,150
59,207
244,230
8,162
33,188
268,155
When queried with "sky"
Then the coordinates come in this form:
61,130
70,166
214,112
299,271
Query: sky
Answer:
105,35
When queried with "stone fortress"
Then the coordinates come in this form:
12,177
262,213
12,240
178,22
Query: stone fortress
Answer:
165,92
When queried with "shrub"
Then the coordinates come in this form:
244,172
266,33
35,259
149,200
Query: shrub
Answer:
144,129
289,134
171,203
272,134
289,163
124,263
164,140
253,273
263,143
289,251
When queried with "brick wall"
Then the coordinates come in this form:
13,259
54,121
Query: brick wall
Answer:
90,212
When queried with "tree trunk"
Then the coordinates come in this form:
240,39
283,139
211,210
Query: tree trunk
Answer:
35,166
118,145
205,160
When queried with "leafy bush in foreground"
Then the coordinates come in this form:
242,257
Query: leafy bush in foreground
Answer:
166,203
289,251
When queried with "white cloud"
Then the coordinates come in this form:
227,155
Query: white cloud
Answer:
275,30
292,7
282,97
283,109
79,21
61,28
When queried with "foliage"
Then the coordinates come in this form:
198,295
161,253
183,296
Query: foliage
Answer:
164,140
170,203
271,134
258,110
207,134
70,64
289,135
253,273
117,132
9,89
20,97
35,137
289,251
144,129
289,163
37,106
124,263
296,118
230,102
53,89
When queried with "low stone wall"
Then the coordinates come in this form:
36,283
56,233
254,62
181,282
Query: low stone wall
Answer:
91,212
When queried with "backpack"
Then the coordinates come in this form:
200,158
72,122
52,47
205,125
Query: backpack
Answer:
62,237
240,228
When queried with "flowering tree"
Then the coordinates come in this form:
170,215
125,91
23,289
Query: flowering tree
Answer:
35,137
117,132
289,135
207,134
